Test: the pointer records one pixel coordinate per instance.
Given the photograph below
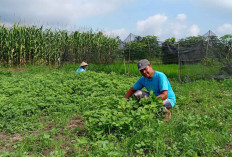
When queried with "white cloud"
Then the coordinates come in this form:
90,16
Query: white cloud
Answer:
122,33
194,30
165,27
177,29
224,29
55,11
181,17
152,25
221,5
178,26
97,7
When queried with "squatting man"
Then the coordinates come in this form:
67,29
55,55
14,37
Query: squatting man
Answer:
153,81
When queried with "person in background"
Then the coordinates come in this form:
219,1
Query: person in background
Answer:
153,81
82,67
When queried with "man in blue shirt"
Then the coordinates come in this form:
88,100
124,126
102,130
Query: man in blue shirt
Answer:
83,66
153,81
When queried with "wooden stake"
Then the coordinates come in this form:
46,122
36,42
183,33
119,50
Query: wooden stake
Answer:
206,55
179,62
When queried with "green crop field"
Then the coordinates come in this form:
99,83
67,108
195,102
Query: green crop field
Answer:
45,111
189,72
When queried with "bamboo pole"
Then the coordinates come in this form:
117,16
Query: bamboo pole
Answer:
124,61
228,55
129,56
149,48
206,55
179,62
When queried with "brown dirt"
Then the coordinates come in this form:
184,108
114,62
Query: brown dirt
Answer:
75,125
228,146
21,69
202,112
7,141
75,122
224,151
15,69
52,68
49,127
168,143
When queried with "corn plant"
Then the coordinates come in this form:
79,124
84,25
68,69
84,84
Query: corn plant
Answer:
21,45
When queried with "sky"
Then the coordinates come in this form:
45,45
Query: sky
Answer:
161,18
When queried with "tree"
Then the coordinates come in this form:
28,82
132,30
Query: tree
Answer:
136,51
227,42
171,41
142,47
190,41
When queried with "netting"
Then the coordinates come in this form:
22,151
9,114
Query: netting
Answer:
189,59
200,57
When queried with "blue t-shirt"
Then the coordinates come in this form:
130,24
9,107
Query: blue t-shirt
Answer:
80,70
157,83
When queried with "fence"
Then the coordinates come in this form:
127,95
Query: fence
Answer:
189,59
199,57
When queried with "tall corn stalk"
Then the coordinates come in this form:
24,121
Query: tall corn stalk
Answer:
21,45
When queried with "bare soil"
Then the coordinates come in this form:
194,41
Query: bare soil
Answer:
14,69
75,126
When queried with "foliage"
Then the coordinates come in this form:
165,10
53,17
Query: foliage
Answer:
124,117
20,45
142,47
191,41
171,41
38,106
227,42
135,51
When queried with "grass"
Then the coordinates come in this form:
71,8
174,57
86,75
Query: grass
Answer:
188,72
47,111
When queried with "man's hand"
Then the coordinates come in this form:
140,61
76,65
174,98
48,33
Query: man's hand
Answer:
129,93
163,95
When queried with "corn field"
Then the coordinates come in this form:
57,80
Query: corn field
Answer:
21,45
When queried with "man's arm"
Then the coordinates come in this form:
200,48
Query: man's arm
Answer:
129,93
163,95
